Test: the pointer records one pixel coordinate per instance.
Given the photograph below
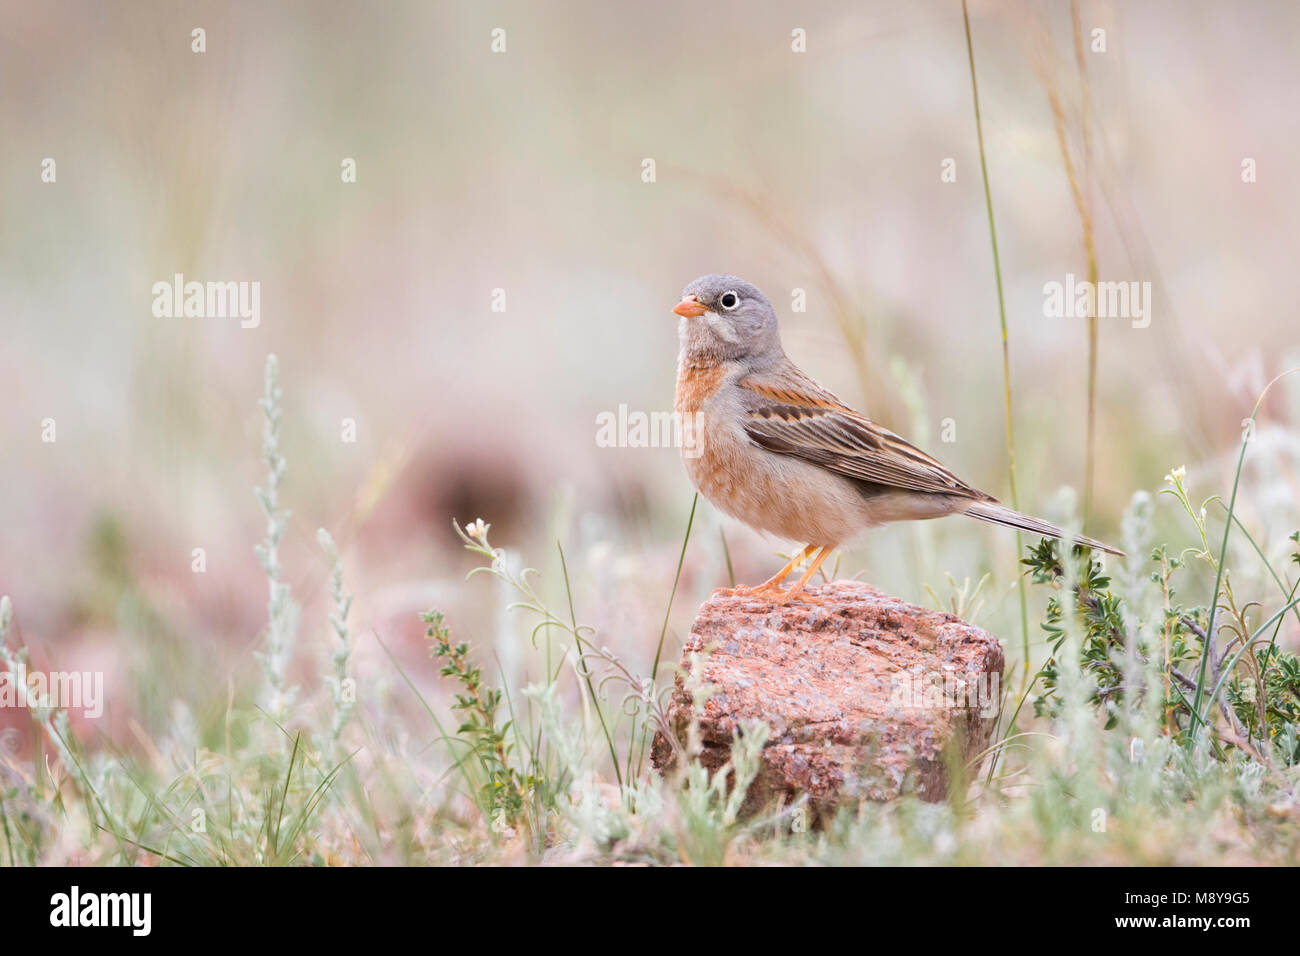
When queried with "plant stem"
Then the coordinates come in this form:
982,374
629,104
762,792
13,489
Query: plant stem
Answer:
1006,349
663,631
583,669
1083,199
1207,647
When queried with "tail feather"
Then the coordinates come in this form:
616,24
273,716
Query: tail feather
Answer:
999,514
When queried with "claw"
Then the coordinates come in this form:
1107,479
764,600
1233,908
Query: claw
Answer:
785,597
758,591
771,588
793,594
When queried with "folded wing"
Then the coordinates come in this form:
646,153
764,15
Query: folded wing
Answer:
790,414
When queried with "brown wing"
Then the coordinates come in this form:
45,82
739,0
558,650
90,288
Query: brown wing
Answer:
790,414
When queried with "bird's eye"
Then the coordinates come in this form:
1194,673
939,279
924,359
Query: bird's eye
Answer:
729,300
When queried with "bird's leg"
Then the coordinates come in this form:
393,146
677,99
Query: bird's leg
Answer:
774,582
797,588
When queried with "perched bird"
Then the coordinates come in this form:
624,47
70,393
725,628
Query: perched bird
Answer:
772,448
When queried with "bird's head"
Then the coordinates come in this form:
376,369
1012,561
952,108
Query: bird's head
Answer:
725,318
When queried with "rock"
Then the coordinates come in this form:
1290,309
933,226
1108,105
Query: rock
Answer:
866,696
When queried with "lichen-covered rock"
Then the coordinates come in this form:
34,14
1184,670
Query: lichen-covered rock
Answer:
866,696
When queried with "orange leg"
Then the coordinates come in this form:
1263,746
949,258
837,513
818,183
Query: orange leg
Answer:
798,586
774,582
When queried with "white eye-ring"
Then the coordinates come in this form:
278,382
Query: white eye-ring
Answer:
729,300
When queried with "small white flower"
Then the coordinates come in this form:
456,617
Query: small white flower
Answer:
477,529
1177,475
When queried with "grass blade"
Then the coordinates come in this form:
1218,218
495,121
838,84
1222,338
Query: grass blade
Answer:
1006,349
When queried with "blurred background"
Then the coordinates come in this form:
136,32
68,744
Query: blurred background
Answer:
524,171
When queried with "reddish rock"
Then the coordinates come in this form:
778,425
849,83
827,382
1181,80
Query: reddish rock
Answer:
866,696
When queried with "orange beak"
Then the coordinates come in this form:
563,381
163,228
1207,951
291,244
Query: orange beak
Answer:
689,307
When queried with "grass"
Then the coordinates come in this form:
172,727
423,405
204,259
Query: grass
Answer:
1157,719
1120,763
1006,345
1219,577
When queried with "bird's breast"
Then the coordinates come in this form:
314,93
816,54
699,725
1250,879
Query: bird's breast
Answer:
696,384
707,449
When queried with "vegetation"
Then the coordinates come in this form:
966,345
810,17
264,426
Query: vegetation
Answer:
1150,742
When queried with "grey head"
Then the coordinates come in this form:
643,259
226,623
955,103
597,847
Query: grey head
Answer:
724,318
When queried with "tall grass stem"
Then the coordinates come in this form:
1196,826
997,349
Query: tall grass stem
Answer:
1006,348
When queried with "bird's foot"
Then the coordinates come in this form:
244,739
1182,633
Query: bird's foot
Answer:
792,594
812,594
765,591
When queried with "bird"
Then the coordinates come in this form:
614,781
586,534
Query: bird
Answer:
769,446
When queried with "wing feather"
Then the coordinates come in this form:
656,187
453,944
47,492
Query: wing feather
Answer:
789,414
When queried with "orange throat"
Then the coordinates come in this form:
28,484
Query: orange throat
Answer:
696,384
